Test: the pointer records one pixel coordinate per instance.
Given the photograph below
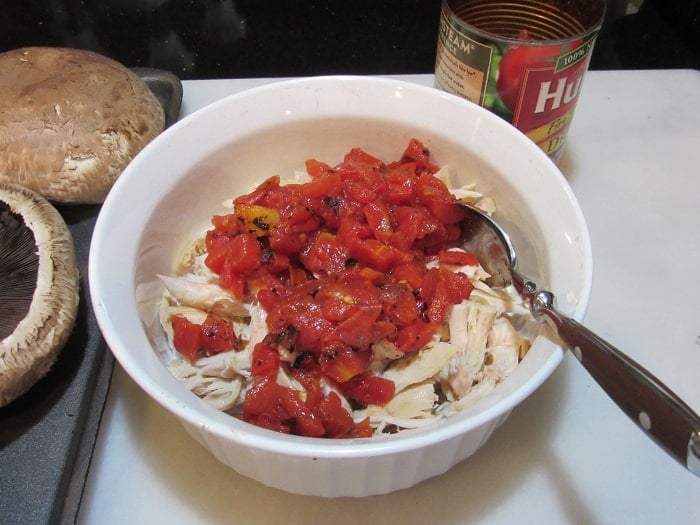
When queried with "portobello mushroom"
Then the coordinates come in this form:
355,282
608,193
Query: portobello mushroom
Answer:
38,288
70,121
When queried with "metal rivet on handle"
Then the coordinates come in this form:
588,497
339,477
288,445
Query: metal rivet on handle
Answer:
577,353
644,420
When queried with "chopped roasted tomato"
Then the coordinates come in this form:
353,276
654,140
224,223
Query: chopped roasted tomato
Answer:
317,168
265,361
369,390
337,422
324,185
403,308
279,408
186,336
324,253
415,336
416,152
214,336
218,335
341,362
379,220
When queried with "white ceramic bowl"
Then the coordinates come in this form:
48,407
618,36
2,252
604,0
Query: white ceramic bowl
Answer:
170,190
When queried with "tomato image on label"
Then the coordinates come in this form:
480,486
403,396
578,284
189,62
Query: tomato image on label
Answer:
512,67
517,60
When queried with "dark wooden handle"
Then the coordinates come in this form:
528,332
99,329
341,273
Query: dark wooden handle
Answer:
646,400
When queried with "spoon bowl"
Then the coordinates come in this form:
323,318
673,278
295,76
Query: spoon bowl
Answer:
664,417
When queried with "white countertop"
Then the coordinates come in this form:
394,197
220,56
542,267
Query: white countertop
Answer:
567,454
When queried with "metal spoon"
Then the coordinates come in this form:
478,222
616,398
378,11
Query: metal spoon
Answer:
647,401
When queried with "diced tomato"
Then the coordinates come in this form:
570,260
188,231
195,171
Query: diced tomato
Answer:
415,336
214,336
411,273
261,192
186,336
401,182
369,390
232,281
301,219
403,309
286,243
413,223
336,301
275,262
218,335
307,372
325,253
265,361
329,210
275,407
302,419
352,230
370,274
434,195
445,212
241,254
316,168
441,303
323,185
225,223
359,157
378,219
312,328
359,191
382,330
356,330
363,429
340,362
408,221
440,289
337,422
218,245
262,406
267,298
378,255
418,153
429,284
460,286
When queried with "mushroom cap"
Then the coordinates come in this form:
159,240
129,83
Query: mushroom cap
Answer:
39,287
70,121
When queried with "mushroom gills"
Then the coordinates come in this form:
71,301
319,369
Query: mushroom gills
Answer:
19,266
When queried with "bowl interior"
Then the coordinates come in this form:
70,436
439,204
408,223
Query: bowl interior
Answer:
191,171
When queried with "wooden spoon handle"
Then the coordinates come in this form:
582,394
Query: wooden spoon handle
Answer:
660,413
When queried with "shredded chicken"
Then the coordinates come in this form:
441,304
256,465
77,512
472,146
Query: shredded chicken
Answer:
222,393
470,324
196,292
418,366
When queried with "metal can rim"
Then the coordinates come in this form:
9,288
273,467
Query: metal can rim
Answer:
489,36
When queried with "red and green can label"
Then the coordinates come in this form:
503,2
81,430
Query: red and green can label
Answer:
532,84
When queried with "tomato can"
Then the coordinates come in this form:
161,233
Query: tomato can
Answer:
522,59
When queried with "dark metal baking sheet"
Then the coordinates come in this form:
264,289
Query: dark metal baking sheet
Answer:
47,435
